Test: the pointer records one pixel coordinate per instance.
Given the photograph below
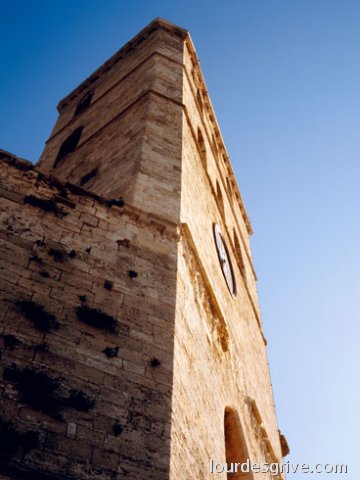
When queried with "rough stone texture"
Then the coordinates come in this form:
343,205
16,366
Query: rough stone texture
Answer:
126,389
114,291
132,129
219,356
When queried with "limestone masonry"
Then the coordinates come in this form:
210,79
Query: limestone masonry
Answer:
131,339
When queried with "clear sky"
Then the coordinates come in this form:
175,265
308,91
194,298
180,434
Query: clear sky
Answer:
284,78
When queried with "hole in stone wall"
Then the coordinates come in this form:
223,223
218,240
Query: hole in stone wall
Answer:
12,440
36,259
48,205
117,429
96,318
57,255
37,389
111,352
108,285
116,202
11,342
84,103
69,145
132,273
155,362
80,401
41,392
40,318
124,242
87,177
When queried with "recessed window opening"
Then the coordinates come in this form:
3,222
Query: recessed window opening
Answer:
199,100
239,256
219,197
235,447
215,146
88,176
228,183
69,145
84,103
201,145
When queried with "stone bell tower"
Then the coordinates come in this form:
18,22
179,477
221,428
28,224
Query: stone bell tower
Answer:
132,340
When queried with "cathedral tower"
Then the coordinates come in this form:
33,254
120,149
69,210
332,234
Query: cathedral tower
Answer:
132,340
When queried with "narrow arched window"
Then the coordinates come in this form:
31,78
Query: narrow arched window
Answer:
88,176
215,146
69,145
236,452
219,198
229,187
239,254
201,144
199,100
84,103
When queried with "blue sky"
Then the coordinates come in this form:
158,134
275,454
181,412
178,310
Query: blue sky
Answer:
284,78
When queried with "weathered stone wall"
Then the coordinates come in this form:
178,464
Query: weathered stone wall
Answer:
131,129
90,414
220,358
121,344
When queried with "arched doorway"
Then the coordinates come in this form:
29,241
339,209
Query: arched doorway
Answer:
236,451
